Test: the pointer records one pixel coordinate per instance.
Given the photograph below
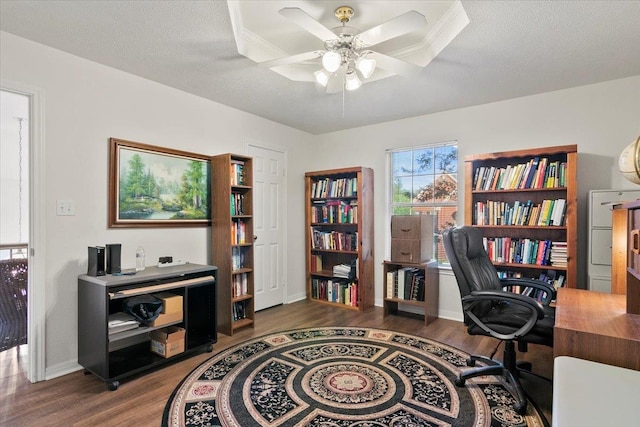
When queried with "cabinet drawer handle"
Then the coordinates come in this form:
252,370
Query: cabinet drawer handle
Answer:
635,234
406,229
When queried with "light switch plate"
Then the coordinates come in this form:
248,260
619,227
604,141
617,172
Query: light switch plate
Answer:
65,207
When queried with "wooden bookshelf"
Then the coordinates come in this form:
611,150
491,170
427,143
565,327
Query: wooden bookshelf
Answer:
427,299
232,239
339,232
506,196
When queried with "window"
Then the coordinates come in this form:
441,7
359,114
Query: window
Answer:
424,180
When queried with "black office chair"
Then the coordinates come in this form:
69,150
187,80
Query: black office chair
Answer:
492,311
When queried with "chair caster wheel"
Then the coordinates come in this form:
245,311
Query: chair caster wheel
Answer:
113,385
520,408
209,348
471,362
459,382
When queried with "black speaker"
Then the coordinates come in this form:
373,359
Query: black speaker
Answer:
96,261
113,258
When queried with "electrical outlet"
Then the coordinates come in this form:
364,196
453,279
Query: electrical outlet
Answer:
65,207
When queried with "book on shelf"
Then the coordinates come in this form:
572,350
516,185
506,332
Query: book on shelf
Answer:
495,212
316,263
535,173
236,204
239,284
238,232
239,310
337,291
237,258
336,187
237,172
391,282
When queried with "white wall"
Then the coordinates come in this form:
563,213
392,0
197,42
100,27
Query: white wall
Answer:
601,119
86,103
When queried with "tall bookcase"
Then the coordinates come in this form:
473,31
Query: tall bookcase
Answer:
232,239
339,237
525,203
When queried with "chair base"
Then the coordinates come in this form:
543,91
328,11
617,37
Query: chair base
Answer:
509,370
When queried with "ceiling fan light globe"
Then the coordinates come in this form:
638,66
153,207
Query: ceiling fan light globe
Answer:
331,61
351,81
322,77
366,66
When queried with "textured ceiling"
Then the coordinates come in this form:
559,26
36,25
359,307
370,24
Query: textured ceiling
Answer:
509,49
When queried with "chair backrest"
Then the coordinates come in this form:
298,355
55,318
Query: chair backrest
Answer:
469,261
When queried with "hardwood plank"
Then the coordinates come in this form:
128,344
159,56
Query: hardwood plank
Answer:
77,399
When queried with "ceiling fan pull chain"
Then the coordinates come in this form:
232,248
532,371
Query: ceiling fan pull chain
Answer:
343,91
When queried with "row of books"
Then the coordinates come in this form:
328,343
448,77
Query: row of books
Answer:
237,203
237,257
240,310
493,212
406,283
237,172
239,284
550,277
338,291
521,250
337,187
238,232
333,240
536,173
335,211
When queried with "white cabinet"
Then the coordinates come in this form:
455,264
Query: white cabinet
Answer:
601,203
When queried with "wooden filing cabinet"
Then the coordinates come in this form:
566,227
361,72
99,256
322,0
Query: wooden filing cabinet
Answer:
411,238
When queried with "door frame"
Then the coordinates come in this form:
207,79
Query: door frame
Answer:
282,150
36,289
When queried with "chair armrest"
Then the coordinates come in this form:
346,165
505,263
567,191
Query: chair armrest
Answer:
536,312
550,291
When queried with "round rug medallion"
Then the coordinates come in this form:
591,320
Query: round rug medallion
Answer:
340,377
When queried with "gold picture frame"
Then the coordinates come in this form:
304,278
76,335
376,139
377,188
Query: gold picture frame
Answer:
152,186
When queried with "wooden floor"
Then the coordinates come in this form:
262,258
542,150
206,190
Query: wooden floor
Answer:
83,400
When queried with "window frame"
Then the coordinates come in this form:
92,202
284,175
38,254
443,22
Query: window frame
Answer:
392,205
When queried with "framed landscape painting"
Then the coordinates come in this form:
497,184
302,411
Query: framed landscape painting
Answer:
152,186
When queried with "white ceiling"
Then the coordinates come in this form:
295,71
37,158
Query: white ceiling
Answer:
509,49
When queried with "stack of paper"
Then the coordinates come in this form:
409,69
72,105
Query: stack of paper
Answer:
341,270
119,322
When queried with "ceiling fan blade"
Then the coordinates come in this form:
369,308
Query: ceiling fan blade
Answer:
395,27
291,59
336,82
395,65
307,23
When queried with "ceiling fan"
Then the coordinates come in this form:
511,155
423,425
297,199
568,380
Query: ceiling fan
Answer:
349,54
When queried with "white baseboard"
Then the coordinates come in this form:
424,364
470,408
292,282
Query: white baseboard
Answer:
61,369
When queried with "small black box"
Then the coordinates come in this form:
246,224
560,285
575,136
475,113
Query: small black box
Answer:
96,261
114,258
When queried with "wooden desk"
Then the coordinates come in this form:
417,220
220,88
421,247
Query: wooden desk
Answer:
595,326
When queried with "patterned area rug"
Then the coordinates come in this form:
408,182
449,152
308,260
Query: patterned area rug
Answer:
340,377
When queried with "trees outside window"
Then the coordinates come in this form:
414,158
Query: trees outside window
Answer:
425,182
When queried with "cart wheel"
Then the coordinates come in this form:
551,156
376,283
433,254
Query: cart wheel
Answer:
113,385
87,372
209,348
459,381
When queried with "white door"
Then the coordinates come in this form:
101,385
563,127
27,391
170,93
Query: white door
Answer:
269,218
